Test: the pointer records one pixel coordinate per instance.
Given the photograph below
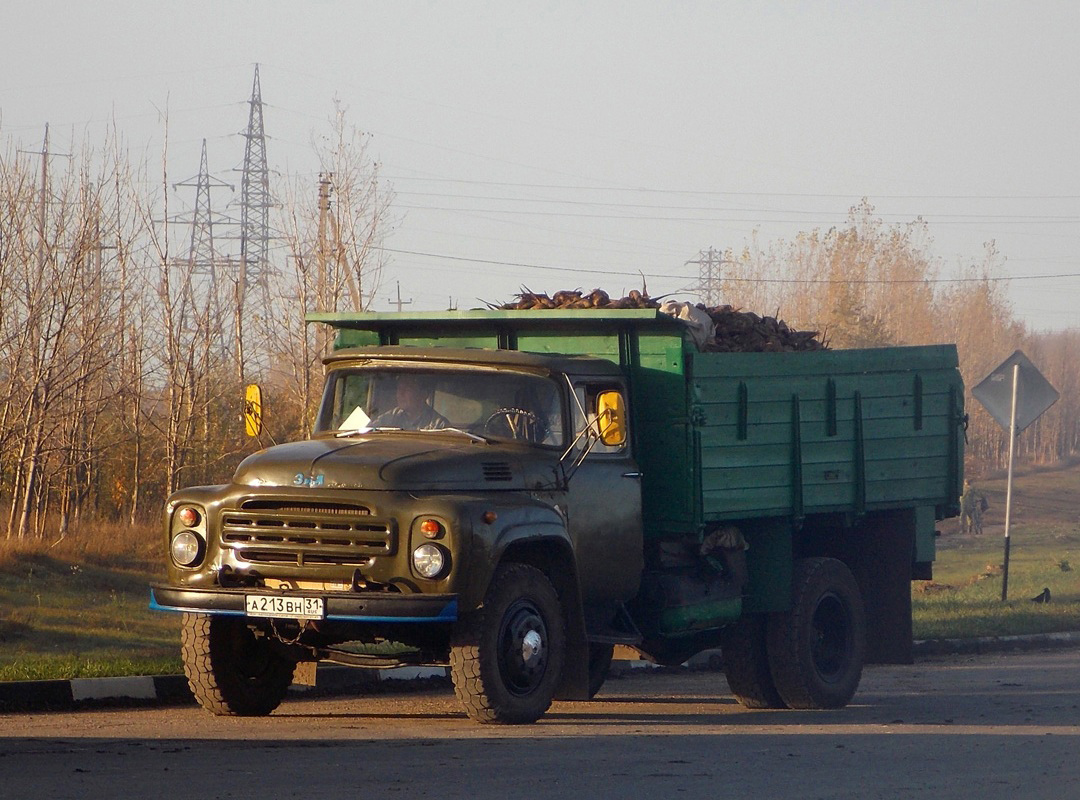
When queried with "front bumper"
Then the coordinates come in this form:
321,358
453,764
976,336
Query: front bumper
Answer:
359,607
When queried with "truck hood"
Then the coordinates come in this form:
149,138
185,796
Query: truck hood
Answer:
400,461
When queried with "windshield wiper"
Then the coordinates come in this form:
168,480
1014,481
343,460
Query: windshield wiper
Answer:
382,428
474,436
358,431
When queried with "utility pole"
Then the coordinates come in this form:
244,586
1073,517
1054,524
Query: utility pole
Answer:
399,302
710,276
326,187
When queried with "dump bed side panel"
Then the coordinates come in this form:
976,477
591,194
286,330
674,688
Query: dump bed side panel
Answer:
790,434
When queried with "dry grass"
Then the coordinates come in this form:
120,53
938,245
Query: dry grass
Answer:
100,543
78,607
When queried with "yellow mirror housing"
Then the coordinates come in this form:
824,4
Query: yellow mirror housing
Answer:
252,409
611,418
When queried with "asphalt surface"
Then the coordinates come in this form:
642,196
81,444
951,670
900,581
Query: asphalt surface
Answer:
986,726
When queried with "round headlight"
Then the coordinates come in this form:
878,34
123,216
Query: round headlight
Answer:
186,548
429,560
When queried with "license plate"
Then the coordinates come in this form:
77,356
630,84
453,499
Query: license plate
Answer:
258,605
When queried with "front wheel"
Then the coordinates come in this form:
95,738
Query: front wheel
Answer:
816,649
506,657
231,671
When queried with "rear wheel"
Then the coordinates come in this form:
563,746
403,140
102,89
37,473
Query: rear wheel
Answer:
746,664
231,671
506,657
816,649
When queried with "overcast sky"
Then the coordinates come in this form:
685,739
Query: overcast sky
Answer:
595,141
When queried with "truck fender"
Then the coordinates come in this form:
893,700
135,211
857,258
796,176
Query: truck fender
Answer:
547,546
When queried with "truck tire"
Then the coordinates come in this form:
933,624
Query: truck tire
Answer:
746,664
816,649
232,672
600,656
506,657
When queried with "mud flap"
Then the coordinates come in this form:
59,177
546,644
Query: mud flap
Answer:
574,683
882,567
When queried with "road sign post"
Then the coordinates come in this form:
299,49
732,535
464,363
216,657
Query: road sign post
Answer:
1016,394
1009,481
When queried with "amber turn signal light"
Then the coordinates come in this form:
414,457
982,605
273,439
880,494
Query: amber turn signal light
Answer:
431,528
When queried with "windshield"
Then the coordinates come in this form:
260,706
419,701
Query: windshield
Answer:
491,403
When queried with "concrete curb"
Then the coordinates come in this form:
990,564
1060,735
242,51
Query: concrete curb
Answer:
997,644
63,695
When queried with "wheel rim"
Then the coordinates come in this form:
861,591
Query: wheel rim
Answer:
831,644
523,648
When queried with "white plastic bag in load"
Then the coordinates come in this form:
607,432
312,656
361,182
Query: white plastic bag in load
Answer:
700,323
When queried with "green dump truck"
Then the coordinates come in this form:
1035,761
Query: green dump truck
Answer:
513,494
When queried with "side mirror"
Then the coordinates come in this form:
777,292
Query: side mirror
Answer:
252,409
611,418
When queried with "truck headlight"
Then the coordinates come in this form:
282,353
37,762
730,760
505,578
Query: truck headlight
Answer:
186,548
429,560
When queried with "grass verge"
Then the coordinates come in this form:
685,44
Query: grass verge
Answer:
79,609
964,599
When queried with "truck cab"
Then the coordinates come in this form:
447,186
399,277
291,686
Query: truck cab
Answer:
425,473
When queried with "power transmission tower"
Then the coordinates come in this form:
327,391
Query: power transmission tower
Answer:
45,154
255,203
710,276
203,263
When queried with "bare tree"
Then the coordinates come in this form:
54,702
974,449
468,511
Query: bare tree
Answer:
333,233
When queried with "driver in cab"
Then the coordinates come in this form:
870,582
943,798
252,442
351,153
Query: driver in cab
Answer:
413,410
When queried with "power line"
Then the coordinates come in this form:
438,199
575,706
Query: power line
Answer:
716,193
584,271
611,204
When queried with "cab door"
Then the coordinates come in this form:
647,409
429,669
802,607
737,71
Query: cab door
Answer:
604,501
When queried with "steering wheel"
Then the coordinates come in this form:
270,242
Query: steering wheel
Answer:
519,423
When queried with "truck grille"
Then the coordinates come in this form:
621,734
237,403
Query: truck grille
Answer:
268,532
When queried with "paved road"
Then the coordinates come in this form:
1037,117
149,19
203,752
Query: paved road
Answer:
981,727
